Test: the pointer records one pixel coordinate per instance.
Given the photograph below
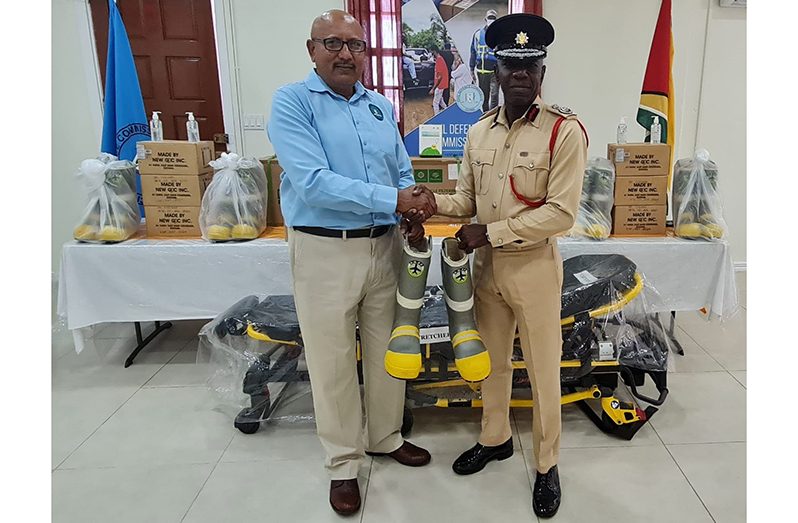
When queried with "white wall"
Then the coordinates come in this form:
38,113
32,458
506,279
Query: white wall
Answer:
722,122
268,50
596,67
76,117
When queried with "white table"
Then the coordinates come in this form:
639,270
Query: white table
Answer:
153,280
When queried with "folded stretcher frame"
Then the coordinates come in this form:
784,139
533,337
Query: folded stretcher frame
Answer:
596,288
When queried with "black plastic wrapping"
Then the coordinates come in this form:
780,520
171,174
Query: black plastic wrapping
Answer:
276,317
433,312
253,375
593,280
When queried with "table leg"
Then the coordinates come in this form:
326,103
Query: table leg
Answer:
672,336
159,327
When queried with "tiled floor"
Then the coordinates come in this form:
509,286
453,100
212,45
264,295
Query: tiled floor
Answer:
148,444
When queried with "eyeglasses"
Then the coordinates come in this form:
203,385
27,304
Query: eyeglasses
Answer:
336,44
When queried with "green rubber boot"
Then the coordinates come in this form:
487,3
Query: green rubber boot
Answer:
403,358
470,356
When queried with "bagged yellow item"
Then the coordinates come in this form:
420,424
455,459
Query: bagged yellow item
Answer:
594,219
697,207
112,212
234,204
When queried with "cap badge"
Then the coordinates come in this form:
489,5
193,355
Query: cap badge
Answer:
521,38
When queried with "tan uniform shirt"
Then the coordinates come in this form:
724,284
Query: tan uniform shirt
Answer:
495,149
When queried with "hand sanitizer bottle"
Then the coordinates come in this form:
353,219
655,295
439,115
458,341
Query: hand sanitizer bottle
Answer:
622,130
656,131
156,127
192,127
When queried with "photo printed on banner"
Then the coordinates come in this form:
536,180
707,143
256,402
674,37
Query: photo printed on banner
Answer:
448,72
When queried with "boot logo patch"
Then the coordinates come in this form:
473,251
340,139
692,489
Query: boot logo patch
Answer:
460,275
415,268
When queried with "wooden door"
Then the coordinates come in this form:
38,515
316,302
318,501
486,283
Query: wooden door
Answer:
174,49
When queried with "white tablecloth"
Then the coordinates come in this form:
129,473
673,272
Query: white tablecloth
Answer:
149,280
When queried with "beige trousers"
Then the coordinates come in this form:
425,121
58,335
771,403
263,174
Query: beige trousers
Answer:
521,288
337,282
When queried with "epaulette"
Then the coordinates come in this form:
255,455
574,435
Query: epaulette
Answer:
492,112
561,111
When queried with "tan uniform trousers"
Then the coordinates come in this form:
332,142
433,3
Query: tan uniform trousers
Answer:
336,282
521,288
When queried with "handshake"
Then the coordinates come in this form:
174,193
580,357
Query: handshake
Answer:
417,204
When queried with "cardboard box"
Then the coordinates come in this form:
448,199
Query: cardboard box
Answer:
274,215
638,190
175,157
169,189
635,159
172,222
639,220
440,175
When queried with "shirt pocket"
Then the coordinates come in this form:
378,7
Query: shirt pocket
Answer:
530,175
482,167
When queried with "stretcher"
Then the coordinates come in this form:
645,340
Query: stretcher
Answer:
603,346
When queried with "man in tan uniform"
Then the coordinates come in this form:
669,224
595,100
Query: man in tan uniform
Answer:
522,176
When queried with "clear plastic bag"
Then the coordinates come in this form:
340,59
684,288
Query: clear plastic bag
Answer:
254,378
606,305
594,219
257,360
697,207
234,204
112,213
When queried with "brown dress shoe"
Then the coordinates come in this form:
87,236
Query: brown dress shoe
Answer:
408,454
345,496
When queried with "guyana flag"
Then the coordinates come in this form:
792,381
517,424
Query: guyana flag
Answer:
656,98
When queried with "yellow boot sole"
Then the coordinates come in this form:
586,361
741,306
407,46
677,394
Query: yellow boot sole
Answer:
474,368
112,234
244,232
403,366
85,233
218,232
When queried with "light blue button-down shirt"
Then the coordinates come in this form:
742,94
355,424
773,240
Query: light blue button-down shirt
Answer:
343,160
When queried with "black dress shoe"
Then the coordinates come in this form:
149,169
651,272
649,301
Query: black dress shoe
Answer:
475,458
547,494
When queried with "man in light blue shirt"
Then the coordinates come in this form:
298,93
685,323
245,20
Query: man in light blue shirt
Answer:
347,178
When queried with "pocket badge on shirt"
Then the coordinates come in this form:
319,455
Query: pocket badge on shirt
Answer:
376,112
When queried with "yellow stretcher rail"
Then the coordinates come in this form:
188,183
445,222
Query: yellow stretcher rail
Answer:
567,364
591,393
252,333
615,306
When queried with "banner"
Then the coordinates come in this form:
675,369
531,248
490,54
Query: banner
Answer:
448,73
124,119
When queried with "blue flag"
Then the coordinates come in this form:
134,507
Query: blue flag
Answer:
125,121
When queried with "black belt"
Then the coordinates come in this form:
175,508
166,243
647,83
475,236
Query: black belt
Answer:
373,232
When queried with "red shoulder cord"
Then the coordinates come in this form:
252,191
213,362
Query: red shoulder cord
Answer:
553,140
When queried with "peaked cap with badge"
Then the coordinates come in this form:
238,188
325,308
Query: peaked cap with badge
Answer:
520,36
